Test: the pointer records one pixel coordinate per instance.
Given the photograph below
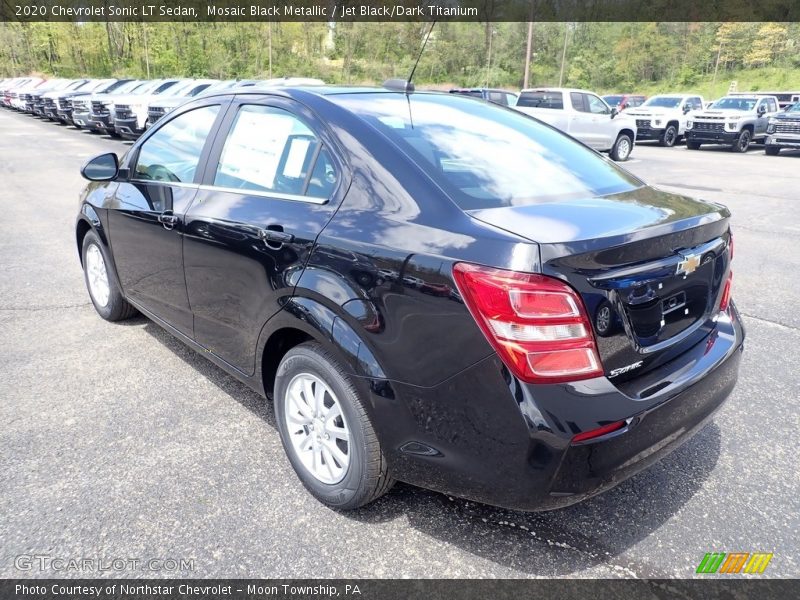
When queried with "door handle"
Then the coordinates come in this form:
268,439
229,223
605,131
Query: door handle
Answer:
168,220
274,234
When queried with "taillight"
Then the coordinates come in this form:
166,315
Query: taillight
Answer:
537,324
726,293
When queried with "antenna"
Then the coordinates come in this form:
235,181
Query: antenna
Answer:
421,50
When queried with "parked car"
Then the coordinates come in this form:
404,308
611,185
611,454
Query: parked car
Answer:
18,94
50,99
102,86
37,97
11,93
162,105
583,115
623,101
82,104
29,94
663,117
101,106
501,97
130,113
783,130
735,121
304,241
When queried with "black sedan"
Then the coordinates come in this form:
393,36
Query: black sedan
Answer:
430,289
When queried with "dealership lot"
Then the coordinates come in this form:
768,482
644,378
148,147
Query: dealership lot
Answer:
120,442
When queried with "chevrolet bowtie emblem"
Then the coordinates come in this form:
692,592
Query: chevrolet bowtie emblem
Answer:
689,264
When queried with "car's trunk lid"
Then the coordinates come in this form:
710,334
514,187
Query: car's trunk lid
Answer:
649,265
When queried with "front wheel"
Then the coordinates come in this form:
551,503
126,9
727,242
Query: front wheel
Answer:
742,143
104,290
326,431
669,137
772,150
622,148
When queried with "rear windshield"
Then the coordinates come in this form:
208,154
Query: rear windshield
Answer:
487,156
541,100
663,102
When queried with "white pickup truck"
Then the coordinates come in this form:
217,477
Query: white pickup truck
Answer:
583,115
663,118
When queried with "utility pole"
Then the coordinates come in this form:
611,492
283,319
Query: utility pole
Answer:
716,65
269,35
526,79
146,51
563,56
489,61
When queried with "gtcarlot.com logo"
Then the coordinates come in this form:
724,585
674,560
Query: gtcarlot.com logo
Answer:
734,562
44,562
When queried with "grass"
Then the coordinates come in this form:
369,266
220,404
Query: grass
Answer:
768,79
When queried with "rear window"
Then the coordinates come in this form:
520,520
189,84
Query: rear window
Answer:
541,100
663,102
486,156
613,100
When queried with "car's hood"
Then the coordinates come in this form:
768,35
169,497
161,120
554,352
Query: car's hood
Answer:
656,112
624,214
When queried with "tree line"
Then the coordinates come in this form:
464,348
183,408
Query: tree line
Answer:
600,56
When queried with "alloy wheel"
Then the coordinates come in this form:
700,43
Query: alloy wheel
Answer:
317,428
97,275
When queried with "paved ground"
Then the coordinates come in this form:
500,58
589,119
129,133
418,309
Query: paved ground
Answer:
119,442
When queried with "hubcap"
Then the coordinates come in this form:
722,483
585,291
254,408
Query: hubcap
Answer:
317,429
670,136
744,141
97,275
623,149
603,319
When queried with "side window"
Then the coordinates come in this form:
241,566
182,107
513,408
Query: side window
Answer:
596,106
772,106
269,149
577,100
497,98
172,153
697,103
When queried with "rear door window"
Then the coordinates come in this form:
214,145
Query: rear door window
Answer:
270,150
579,101
542,99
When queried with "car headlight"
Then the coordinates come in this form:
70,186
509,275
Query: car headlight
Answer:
688,124
732,125
771,127
657,122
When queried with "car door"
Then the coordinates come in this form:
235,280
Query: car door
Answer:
272,183
146,217
592,121
762,117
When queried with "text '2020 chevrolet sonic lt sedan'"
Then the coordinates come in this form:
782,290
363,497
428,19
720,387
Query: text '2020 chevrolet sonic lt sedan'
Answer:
430,289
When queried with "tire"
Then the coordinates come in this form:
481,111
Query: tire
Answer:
622,148
772,150
669,137
112,306
742,143
692,145
359,473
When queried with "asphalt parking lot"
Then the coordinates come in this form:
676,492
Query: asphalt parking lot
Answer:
117,441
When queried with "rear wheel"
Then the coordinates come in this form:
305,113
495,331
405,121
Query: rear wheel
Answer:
622,148
669,137
692,145
326,431
742,143
104,290
772,150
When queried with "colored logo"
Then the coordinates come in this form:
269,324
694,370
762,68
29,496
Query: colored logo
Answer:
734,562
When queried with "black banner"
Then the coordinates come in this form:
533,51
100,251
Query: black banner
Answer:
713,588
399,10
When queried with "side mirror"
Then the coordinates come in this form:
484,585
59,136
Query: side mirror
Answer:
614,112
104,167
686,108
761,110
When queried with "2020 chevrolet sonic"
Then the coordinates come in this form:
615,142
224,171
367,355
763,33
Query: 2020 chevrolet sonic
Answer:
430,289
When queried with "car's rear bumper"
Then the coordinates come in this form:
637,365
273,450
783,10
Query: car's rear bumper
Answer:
485,436
712,137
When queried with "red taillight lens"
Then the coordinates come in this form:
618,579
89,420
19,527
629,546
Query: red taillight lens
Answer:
537,324
595,433
726,293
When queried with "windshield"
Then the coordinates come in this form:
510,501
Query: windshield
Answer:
486,156
733,103
613,101
128,87
793,108
148,87
663,102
